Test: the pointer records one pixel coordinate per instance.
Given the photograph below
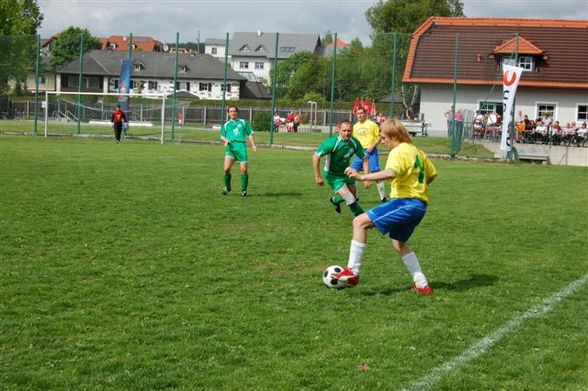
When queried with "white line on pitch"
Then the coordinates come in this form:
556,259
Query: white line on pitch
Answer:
483,345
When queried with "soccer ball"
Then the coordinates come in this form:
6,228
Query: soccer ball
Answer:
330,281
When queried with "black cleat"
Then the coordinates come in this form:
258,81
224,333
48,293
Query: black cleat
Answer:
337,206
383,199
244,193
225,191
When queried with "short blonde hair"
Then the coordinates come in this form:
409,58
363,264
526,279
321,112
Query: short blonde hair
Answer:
393,128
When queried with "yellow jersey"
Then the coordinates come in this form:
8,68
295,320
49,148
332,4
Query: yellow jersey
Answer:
366,132
413,171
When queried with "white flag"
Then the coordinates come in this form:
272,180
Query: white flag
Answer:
510,81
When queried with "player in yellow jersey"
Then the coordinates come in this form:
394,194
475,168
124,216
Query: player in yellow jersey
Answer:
368,134
409,172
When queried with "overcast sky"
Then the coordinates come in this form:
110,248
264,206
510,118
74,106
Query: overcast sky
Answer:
213,19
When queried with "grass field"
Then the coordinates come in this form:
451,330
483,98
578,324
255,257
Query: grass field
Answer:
122,267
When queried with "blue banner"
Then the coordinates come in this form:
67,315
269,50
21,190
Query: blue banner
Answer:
124,83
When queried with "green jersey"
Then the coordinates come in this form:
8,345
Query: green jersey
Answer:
237,130
338,153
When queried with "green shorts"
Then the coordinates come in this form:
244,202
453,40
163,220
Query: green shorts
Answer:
337,182
237,150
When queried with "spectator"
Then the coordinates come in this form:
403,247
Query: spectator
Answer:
582,135
118,119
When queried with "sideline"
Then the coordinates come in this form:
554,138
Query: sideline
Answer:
483,345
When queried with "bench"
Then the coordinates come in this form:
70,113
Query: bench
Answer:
416,128
543,158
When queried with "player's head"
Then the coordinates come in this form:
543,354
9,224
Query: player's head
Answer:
394,130
118,106
361,116
233,111
345,129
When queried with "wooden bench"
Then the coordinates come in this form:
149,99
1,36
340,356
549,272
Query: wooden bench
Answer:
416,128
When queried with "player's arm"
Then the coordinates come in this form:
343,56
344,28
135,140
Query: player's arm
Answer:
223,136
252,141
373,176
366,169
316,158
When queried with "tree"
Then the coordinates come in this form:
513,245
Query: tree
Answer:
18,27
67,46
405,16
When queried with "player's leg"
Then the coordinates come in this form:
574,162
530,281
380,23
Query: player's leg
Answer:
347,193
414,268
229,160
244,178
350,274
374,159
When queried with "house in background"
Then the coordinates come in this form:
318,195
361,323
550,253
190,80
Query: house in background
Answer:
120,43
198,74
553,53
255,52
215,47
340,44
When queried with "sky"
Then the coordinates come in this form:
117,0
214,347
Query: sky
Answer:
197,20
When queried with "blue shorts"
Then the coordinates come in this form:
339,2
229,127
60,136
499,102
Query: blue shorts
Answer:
398,217
374,159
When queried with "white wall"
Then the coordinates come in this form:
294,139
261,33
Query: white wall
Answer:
260,73
437,99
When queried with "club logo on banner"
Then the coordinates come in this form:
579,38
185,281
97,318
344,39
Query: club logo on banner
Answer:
124,84
510,81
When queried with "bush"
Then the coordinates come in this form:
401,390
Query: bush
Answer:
262,121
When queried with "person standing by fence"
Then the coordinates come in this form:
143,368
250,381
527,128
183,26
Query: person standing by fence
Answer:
118,119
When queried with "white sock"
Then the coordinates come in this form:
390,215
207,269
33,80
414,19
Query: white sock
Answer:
414,268
355,255
381,189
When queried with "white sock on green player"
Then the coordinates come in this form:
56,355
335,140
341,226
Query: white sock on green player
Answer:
414,268
381,189
355,255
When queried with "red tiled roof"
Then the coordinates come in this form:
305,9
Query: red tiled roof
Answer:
558,46
121,42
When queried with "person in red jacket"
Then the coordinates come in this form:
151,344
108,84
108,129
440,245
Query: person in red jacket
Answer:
118,119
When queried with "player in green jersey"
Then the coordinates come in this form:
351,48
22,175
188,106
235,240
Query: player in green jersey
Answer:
339,149
233,133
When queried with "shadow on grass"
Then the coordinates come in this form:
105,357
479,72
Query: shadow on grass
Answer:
475,281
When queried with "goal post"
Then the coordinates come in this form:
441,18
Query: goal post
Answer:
146,113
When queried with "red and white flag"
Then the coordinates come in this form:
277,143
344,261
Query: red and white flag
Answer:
510,81
356,106
373,110
367,105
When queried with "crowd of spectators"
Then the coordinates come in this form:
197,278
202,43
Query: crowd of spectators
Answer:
542,130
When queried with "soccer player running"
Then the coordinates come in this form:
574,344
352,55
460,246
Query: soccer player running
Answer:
410,173
368,134
233,133
339,149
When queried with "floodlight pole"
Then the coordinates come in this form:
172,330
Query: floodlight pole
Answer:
78,114
173,116
275,72
333,74
38,49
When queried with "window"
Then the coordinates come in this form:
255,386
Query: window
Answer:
187,86
525,62
228,87
138,67
545,108
582,114
260,49
42,80
184,68
112,46
489,107
258,65
243,65
152,85
213,50
244,49
287,49
205,87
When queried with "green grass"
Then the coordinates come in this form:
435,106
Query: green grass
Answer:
122,267
187,134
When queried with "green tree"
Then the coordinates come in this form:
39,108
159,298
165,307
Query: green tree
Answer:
67,46
405,16
18,27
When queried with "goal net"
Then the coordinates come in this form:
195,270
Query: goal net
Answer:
88,114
